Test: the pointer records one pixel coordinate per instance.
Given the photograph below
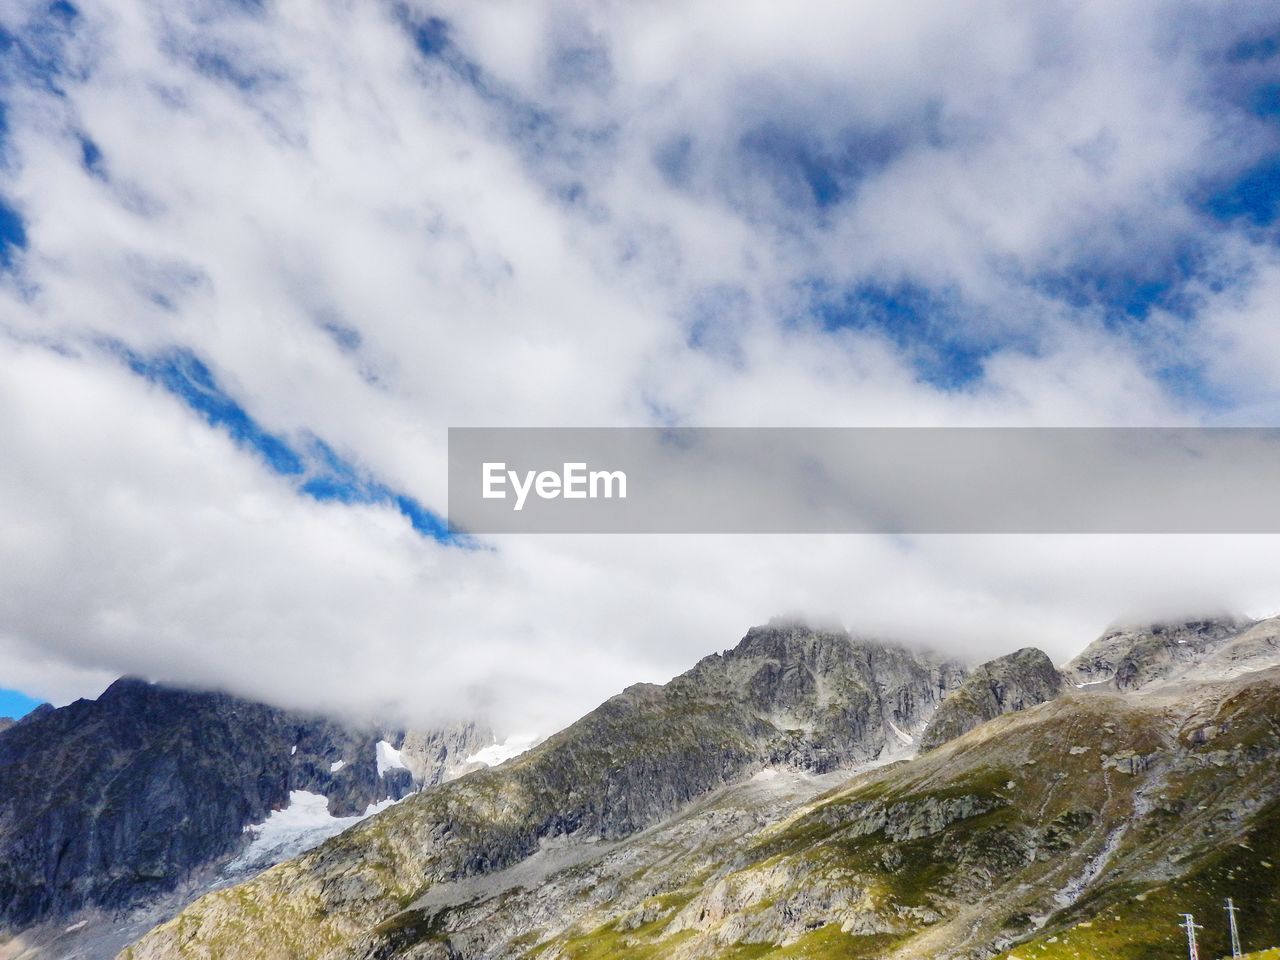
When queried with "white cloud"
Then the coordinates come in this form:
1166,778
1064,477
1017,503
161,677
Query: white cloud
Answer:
356,185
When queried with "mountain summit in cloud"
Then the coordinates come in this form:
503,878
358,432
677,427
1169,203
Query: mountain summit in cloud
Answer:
151,792
255,260
770,801
260,260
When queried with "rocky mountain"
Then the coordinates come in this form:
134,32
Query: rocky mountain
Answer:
1007,684
1131,657
1078,828
770,802
1239,653
767,804
113,802
785,696
6,723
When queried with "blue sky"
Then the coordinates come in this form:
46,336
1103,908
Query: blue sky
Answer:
319,471
14,703
253,268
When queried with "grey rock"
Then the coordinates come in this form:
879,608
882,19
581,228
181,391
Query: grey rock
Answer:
1131,657
116,801
785,696
1254,648
644,828
1007,684
434,756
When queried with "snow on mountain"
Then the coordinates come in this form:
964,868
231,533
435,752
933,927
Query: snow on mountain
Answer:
303,824
388,758
901,734
497,753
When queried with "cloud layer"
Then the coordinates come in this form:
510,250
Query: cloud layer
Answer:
369,222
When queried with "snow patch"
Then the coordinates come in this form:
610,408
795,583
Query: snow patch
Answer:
337,765
1092,683
303,824
293,750
497,753
388,758
905,737
76,926
768,773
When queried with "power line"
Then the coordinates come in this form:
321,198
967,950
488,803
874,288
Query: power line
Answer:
1232,910
1189,924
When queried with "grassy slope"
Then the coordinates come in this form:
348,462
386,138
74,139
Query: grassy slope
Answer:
323,903
825,846
937,891
960,849
1211,854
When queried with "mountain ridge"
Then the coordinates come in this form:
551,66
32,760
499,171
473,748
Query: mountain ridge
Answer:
784,695
111,802
603,790
713,763
1007,684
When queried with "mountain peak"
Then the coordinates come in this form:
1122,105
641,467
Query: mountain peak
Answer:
126,687
180,774
1131,657
1016,681
1198,620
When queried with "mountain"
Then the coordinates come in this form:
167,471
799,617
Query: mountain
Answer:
785,696
767,804
1131,657
111,803
6,723
1007,684
1077,828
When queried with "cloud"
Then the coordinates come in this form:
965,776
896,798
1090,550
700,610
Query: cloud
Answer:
367,223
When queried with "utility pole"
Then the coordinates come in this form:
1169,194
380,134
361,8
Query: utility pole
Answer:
1189,924
1232,910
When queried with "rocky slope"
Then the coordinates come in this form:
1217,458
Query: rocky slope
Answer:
1039,828
1242,652
114,802
1007,684
710,819
1131,657
785,696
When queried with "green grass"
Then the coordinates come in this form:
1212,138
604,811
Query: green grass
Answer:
644,942
825,943
1130,922
608,942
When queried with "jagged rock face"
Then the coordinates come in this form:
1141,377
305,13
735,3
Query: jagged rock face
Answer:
785,695
112,802
1253,648
833,697
1129,658
1092,818
434,756
6,723
1007,684
1041,826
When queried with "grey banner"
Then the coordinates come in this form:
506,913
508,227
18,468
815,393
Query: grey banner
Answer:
864,480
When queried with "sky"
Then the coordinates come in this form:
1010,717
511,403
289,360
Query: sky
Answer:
257,257
14,703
